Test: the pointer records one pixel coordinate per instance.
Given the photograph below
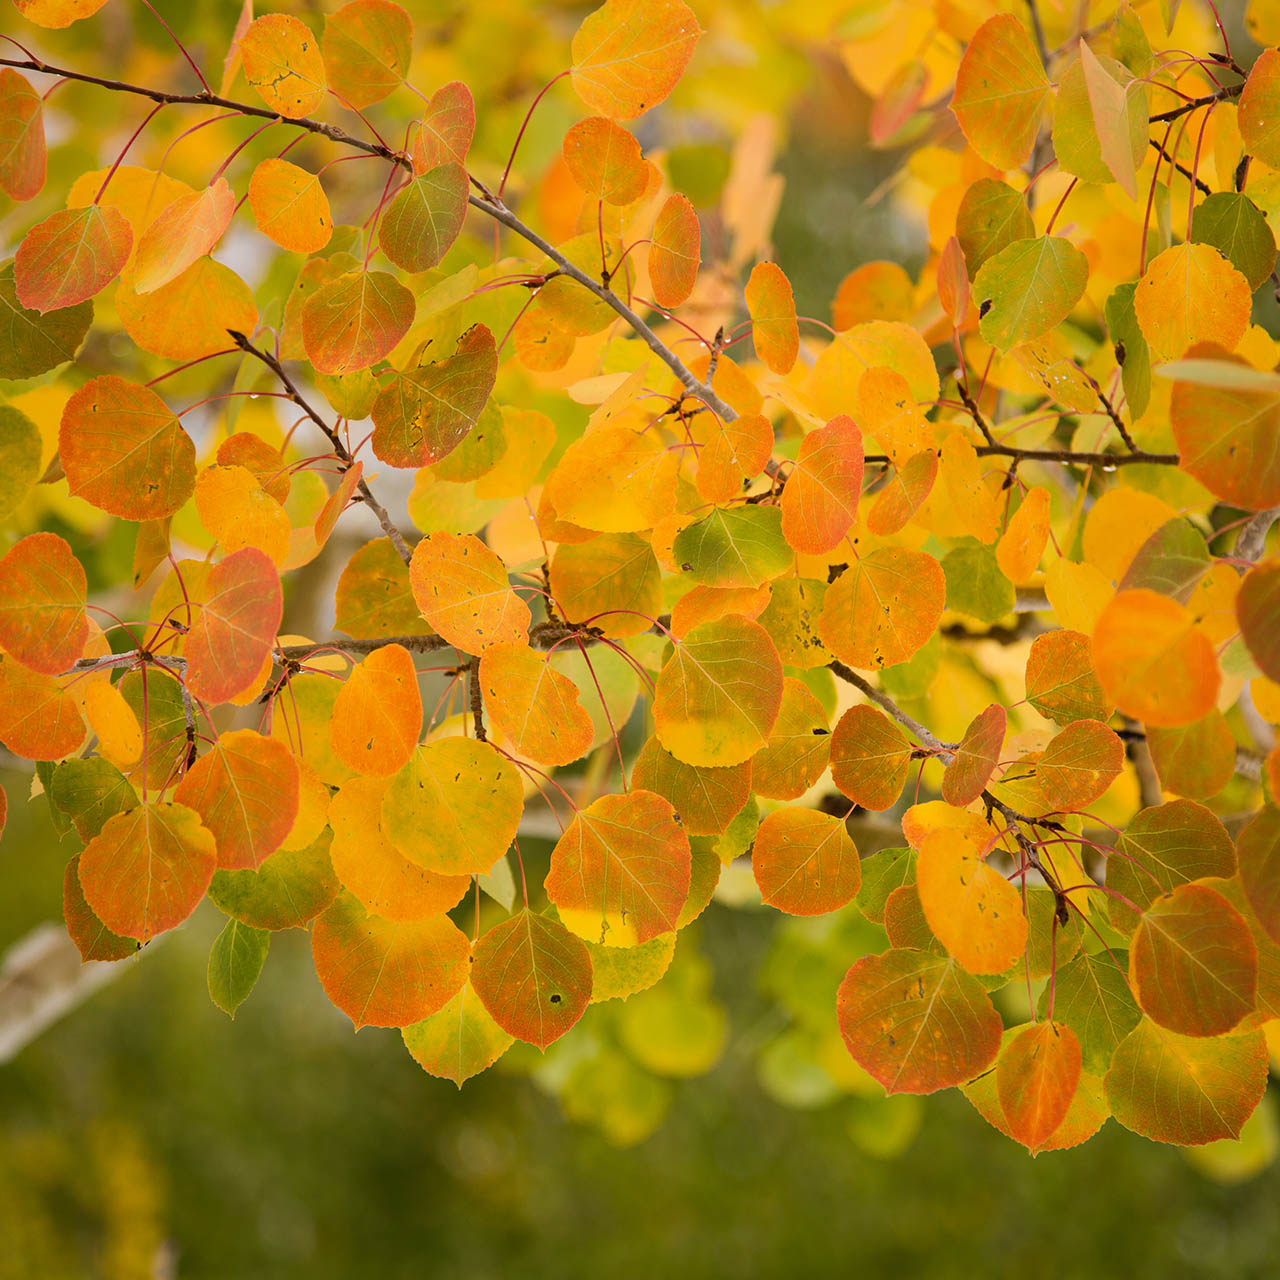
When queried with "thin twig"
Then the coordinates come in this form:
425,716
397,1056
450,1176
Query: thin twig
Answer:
943,750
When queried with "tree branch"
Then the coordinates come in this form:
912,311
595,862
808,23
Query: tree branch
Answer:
945,751
1174,113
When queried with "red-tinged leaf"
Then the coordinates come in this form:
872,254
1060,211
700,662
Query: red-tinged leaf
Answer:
245,790
22,146
612,580
377,716
1028,288
705,800
708,604
1258,121
209,296
972,909
1036,1079
1152,661
459,1041
1196,760
372,868
1112,109
186,230
883,607
71,256
373,596
870,758
292,887
1186,1090
903,493
367,47
42,596
422,222
446,129
1023,542
620,873
1193,965
897,102
533,708
147,869
454,808
387,973
805,863
1258,849
629,54
1001,92
336,503
427,412
675,250
57,13
290,206
719,694
772,308
282,61
533,976
93,939
798,749
39,718
1079,764
736,452
820,501
1227,436
953,282
353,321
1061,682
976,757
462,589
1191,294
605,161
233,631
904,922
1258,612
917,1022
124,450
231,64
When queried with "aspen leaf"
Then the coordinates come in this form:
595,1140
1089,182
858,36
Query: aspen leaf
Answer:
773,317
805,863
239,513
291,887
612,581
977,508
873,291
1036,1079
1258,611
629,54
615,480
1257,116
675,249
71,256
739,546
820,501
366,48
1196,759
1028,288
92,938
20,450
707,604
235,963
953,282
23,157
112,719
903,494
736,452
620,873
706,800
353,321
1109,110
463,592
1152,661
533,976
870,758
976,757
245,789
719,694
446,129
798,748
1237,228
290,206
39,718
421,223
454,808
42,597
1061,682
1171,561
458,1041
605,161
283,62
917,1022
1258,848
1191,294
1079,764
185,230
991,217
1023,542
209,296
31,343
377,715
532,706
387,973
1001,92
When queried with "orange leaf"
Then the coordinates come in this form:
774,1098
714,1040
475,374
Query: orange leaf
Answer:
233,631
705,800
629,54
23,157
873,291
39,719
1152,661
805,863
353,321
42,596
534,708
820,501
736,452
1079,764
282,61
387,973
238,512
605,161
620,873
1022,544
290,206
953,282
1193,965
1191,294
1036,1079
446,129
93,939
186,230
71,256
377,716
675,250
976,757
869,758
125,451
903,493
707,604
614,479
773,317
462,589
1259,126
533,976
147,869
916,1022
210,298
245,790
612,580
367,46
1061,682
798,748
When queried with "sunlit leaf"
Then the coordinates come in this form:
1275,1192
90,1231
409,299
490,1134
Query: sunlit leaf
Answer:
458,1041
70,256
290,206
1028,288
772,309
238,512
1190,294
805,863
186,230
532,707
798,748
1079,764
366,49
903,494
1061,682
976,757
463,592
282,61
208,295
615,480
1036,1078
674,252
820,502
870,757
42,603
605,161
377,716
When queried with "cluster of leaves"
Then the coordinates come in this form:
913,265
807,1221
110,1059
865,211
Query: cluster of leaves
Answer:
966,542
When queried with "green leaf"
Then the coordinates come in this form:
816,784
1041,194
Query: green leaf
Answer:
991,217
1235,226
734,547
1028,288
975,585
1091,996
238,954
1131,350
1171,561
31,343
